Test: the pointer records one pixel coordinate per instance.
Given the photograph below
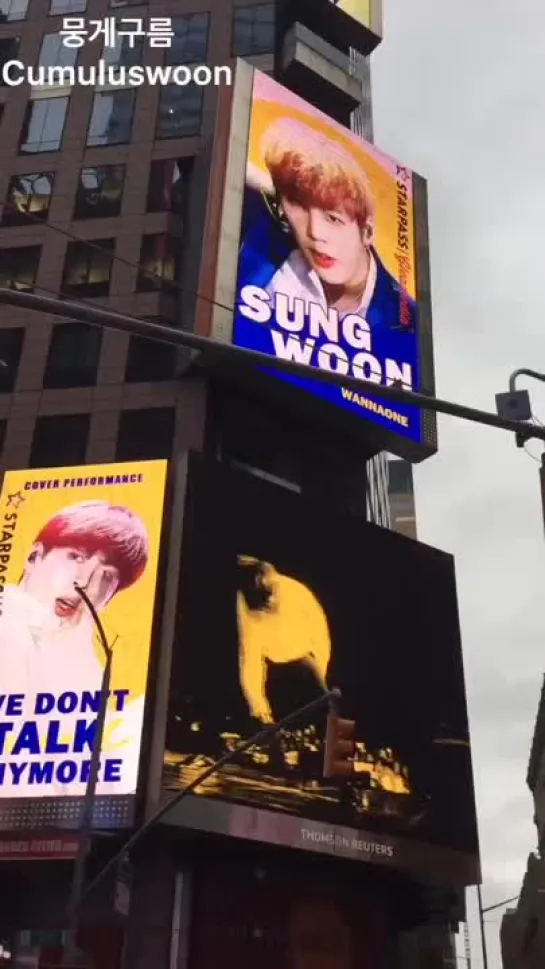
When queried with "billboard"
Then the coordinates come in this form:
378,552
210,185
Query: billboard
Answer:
279,601
98,527
327,271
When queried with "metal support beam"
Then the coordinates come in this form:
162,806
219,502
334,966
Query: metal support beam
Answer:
235,357
524,372
262,736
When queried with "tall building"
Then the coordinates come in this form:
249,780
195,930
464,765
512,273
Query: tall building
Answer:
378,506
523,925
401,498
115,196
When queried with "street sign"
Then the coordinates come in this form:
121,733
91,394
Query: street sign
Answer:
55,848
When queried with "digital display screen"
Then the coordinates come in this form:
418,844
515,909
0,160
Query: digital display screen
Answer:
96,527
327,272
278,602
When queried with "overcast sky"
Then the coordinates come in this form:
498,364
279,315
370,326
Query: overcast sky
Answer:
459,97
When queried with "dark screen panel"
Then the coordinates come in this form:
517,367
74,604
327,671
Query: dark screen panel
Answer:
316,599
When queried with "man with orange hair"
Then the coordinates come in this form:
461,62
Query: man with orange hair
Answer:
308,235
47,634
325,199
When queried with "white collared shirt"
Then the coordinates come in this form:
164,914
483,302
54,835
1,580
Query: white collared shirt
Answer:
39,656
296,279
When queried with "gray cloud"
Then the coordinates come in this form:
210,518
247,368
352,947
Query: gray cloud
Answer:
458,95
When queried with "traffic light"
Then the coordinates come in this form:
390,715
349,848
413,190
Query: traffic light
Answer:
340,745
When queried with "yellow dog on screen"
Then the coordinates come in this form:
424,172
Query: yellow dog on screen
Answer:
279,621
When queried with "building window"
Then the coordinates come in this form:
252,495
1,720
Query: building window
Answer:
19,267
53,53
60,441
180,111
149,359
168,185
111,118
88,268
11,10
253,30
122,54
43,125
67,6
190,41
73,356
9,47
100,191
158,264
28,198
11,347
145,435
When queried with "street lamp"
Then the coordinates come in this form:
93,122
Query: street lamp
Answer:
86,819
515,405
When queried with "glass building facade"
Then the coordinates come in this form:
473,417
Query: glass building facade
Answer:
94,186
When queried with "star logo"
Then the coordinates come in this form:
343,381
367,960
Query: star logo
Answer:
14,501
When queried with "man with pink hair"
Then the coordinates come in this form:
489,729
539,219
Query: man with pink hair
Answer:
48,639
103,548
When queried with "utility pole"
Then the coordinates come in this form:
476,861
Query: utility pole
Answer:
85,828
482,913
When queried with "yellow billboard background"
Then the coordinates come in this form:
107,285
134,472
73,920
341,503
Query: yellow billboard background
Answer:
272,102
360,10
130,613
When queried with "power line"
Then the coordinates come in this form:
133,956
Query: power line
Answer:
90,301
174,284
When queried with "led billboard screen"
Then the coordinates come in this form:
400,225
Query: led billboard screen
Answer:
327,268
97,527
277,601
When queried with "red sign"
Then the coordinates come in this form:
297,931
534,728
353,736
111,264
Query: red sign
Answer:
38,849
